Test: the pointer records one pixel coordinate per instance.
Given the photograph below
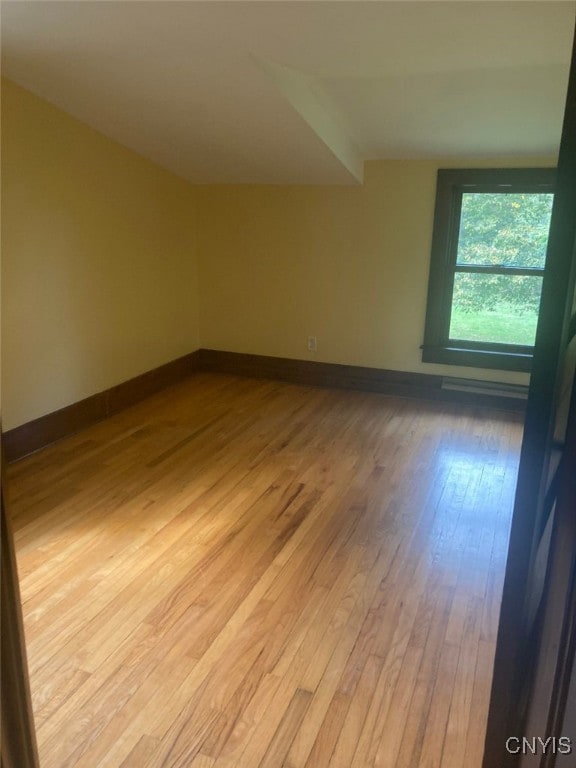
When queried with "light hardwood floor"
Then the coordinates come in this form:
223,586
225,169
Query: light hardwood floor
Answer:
255,574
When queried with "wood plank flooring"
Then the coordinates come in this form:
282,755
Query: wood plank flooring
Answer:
251,574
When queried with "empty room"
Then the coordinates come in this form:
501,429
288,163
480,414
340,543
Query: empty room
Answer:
285,320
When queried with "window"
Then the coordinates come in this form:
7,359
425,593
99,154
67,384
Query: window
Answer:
488,255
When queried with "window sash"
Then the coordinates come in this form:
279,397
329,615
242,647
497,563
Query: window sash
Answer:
485,269
438,347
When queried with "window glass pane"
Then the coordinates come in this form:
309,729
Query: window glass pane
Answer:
504,228
496,308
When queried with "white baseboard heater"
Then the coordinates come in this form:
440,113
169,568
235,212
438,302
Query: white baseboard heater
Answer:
495,389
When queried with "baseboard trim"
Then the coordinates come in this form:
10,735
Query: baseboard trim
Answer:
404,384
36,434
33,435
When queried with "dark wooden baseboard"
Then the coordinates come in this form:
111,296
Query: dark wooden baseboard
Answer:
404,384
132,391
317,374
47,429
72,418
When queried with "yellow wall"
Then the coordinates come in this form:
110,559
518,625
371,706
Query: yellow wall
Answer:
348,265
99,265
112,266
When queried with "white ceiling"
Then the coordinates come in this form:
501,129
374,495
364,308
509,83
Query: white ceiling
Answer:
298,92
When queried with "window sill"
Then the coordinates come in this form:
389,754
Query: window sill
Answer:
478,358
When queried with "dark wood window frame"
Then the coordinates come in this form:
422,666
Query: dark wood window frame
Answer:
451,184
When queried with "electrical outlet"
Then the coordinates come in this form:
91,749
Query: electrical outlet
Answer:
312,344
